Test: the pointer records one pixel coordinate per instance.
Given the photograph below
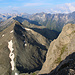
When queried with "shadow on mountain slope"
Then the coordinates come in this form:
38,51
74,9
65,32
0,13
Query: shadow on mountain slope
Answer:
20,19
49,34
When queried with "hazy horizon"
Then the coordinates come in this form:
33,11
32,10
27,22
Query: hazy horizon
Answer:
37,6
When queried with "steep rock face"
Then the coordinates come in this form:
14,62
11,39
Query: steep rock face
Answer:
31,49
60,48
66,67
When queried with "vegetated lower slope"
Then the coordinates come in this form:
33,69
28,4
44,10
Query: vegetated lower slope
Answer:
30,48
59,49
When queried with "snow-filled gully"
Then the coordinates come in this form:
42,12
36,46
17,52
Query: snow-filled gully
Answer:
12,56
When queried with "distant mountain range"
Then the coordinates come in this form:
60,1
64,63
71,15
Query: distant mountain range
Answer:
6,16
51,21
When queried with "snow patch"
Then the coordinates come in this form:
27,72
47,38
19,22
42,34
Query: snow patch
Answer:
12,31
25,44
16,73
3,35
28,29
11,55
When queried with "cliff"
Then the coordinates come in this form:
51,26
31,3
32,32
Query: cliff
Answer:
59,49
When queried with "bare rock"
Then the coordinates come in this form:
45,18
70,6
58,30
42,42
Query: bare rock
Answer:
60,48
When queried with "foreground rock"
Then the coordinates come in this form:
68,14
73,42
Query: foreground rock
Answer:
66,67
59,49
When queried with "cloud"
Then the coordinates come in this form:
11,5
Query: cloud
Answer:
63,8
70,6
36,4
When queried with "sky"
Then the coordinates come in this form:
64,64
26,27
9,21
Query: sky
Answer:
37,6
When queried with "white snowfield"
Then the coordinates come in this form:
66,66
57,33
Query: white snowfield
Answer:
11,55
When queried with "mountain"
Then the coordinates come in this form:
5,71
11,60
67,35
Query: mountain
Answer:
25,20
61,50
53,21
24,44
6,23
50,21
66,67
22,49
32,47
3,17
6,16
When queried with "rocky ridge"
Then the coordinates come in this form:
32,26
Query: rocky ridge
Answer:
59,49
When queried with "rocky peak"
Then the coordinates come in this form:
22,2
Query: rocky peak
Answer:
27,49
22,49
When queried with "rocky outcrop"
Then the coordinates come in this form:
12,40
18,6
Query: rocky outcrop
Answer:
66,67
59,49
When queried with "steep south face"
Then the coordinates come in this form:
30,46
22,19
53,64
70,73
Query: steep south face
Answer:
60,48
